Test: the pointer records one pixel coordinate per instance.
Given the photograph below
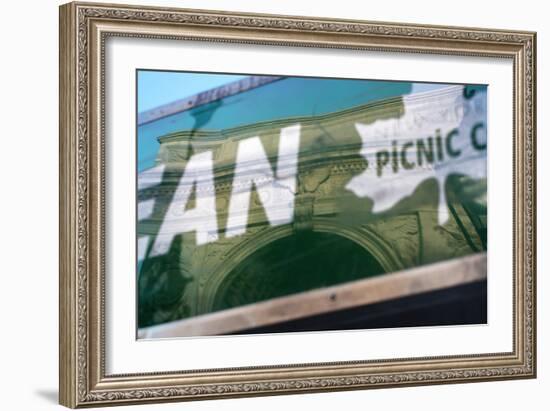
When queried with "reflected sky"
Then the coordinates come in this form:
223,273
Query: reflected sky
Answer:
161,87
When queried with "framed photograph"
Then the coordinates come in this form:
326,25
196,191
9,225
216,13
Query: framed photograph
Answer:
261,204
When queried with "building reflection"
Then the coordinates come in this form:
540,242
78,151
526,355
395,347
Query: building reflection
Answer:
336,234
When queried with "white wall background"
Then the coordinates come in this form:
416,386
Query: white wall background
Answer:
29,161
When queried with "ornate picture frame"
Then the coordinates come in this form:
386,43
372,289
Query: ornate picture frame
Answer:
84,30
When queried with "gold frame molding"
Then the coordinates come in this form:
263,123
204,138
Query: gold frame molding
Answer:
83,30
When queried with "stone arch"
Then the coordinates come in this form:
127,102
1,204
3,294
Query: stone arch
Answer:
373,244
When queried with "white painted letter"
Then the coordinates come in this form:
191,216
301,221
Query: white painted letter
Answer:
146,179
253,168
202,219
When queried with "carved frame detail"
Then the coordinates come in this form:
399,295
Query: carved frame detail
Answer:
84,28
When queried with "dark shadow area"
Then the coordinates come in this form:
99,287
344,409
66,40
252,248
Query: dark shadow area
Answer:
294,264
461,305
